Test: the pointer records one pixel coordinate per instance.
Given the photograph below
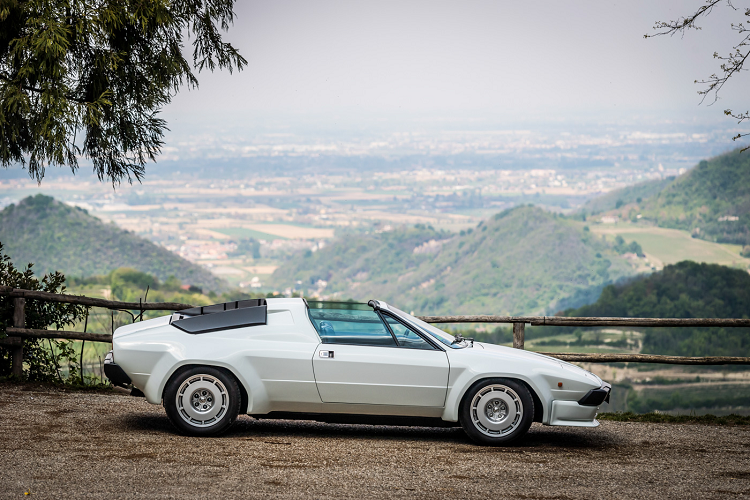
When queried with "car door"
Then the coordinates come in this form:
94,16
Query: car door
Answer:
361,361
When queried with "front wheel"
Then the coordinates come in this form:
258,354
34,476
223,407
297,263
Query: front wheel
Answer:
497,411
202,401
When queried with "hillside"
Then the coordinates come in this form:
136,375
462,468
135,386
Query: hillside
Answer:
55,236
683,290
712,201
624,196
520,261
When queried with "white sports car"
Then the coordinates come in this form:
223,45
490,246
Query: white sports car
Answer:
343,362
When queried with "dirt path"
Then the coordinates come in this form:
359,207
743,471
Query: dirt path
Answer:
87,445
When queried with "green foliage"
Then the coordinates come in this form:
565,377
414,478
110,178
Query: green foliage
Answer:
663,418
58,237
625,196
633,247
42,362
129,285
683,290
696,201
525,262
87,78
665,399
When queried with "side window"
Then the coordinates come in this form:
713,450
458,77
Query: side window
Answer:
406,337
348,326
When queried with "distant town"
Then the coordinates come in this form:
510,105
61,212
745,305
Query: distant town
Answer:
219,203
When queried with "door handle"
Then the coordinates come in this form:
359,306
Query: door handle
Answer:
326,354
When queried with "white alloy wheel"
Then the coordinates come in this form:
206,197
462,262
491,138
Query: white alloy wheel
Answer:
496,410
202,400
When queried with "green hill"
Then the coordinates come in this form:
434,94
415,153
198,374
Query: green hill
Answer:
624,196
57,237
707,199
683,290
520,261
712,201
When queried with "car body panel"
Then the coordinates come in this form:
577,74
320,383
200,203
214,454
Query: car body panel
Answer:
279,366
381,375
540,373
572,414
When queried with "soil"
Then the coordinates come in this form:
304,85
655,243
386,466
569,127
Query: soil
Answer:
64,444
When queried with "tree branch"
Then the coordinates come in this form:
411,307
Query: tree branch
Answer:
684,23
41,91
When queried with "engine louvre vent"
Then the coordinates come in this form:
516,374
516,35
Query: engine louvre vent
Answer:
226,316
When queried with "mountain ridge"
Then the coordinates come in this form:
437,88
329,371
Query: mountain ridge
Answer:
58,237
523,260
711,200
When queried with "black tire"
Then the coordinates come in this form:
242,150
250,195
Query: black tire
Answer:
496,411
214,397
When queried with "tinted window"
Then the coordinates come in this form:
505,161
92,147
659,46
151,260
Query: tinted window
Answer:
406,337
351,326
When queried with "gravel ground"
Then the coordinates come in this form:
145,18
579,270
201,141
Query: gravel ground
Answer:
58,444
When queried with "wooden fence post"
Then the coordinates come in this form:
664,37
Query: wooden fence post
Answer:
19,321
518,334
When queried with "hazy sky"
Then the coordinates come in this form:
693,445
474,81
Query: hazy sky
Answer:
331,61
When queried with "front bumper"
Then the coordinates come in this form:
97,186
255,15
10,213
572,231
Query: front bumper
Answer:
581,413
114,372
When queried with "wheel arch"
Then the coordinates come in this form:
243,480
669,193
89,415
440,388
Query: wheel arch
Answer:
244,394
538,405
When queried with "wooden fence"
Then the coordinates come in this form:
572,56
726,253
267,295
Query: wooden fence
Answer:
19,331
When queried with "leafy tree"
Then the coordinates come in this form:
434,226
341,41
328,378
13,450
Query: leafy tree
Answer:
43,363
87,78
633,247
682,290
731,64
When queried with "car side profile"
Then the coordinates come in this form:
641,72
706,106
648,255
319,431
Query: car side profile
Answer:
343,362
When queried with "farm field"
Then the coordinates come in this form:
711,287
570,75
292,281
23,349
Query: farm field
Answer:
664,246
134,452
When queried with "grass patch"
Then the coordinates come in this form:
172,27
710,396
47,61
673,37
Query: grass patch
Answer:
663,418
673,245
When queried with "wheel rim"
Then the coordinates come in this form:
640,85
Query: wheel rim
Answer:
496,410
202,400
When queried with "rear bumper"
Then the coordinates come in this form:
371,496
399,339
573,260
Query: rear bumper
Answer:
114,372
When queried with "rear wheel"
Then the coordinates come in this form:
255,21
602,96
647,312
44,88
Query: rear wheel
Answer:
202,401
497,411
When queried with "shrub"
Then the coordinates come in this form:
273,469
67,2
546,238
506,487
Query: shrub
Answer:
41,363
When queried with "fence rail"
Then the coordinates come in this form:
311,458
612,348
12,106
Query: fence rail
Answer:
92,301
18,331
600,321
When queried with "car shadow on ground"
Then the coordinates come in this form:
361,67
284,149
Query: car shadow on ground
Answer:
539,437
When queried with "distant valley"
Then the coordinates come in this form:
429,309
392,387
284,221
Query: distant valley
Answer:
521,261
528,261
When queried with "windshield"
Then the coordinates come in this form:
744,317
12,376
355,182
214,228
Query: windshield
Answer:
437,333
